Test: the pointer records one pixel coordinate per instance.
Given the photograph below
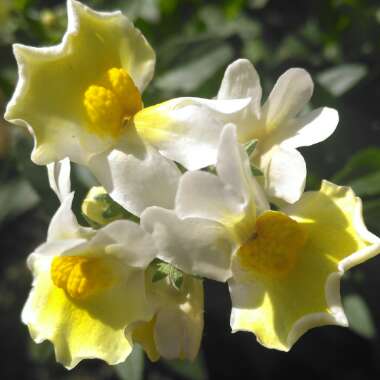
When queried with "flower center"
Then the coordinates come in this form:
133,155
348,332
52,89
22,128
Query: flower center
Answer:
275,248
81,276
110,103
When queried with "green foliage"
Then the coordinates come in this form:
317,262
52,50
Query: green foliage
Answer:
164,270
359,316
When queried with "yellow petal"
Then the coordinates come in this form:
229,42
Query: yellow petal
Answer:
84,328
52,81
280,310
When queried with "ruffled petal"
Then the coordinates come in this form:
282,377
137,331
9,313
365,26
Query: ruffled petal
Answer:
187,130
90,328
280,310
194,245
93,43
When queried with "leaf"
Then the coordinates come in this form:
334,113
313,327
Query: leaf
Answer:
195,370
163,270
367,185
372,214
176,277
16,197
133,367
256,172
340,79
192,75
359,316
364,162
250,147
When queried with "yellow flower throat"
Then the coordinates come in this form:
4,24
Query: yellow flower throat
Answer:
275,247
111,103
81,276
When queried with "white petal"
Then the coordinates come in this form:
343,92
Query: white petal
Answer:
194,245
59,178
127,241
167,333
187,130
204,195
285,174
64,224
229,198
311,129
234,169
289,95
137,177
241,80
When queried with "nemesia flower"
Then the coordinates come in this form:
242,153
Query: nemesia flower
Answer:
278,125
286,265
89,285
175,331
82,99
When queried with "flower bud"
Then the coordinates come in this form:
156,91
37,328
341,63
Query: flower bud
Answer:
100,209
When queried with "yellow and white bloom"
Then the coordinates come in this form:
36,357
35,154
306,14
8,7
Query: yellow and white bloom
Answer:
175,331
82,99
286,265
89,286
278,125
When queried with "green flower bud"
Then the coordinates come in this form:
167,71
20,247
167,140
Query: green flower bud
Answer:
100,209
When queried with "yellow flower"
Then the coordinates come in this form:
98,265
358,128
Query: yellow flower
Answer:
88,287
283,267
82,99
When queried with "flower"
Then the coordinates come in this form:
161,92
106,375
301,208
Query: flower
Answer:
278,125
82,99
89,285
283,267
175,331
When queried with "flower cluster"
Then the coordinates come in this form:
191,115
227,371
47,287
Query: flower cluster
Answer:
189,189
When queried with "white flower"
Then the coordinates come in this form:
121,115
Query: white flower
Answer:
278,125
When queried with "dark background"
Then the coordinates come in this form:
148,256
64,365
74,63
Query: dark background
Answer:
338,42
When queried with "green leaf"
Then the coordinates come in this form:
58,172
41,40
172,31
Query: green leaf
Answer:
359,316
191,76
256,172
195,370
250,147
176,277
159,275
133,367
367,185
372,214
16,197
342,78
163,270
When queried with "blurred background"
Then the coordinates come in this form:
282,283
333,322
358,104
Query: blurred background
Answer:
338,42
